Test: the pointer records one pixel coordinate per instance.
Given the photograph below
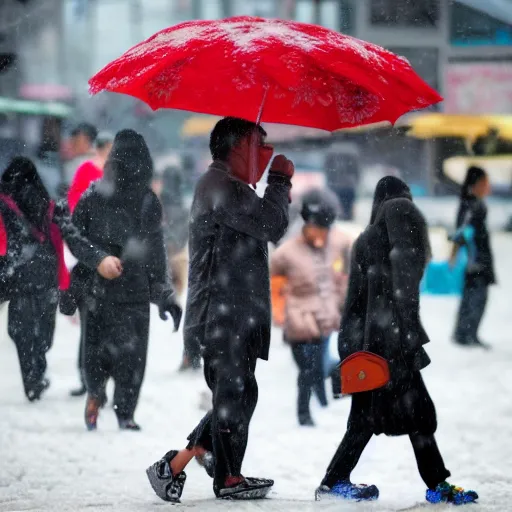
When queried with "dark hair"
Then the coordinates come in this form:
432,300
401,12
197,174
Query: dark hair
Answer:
22,182
227,133
389,187
473,176
320,207
129,161
86,129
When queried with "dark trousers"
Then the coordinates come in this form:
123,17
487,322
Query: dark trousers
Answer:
429,459
310,361
82,316
471,310
31,326
229,373
115,346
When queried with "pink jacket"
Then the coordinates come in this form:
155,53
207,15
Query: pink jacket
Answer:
316,285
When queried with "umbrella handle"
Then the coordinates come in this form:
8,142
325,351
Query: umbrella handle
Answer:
260,112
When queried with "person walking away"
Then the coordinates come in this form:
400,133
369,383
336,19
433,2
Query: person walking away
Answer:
343,176
122,215
81,143
312,266
87,173
228,304
176,231
32,267
479,273
381,315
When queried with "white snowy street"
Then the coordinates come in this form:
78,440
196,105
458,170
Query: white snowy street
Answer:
49,462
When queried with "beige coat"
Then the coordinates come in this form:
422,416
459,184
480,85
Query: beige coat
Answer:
316,285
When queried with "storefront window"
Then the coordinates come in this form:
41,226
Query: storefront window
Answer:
406,13
472,27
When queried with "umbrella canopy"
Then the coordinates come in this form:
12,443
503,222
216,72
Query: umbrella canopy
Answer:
268,70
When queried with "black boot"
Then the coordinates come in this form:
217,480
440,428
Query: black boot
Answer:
246,489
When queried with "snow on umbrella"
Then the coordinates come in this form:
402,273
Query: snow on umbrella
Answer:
265,70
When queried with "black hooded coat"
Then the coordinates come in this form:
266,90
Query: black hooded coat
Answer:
381,313
122,216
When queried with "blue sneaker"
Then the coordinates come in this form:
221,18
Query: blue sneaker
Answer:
446,493
348,491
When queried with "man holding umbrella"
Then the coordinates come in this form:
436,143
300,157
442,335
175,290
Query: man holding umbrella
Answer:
228,305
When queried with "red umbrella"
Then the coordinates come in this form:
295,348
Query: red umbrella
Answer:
268,70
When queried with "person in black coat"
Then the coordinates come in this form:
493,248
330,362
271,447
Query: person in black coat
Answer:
480,270
228,307
32,267
123,217
382,316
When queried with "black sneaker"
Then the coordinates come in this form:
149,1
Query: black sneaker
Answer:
36,391
167,486
247,489
129,425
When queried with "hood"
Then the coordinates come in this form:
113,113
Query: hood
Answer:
22,182
388,188
129,163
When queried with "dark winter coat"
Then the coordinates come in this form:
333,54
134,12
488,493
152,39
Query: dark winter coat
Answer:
31,264
123,217
382,312
229,287
473,212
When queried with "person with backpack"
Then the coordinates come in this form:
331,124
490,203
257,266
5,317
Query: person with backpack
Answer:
122,216
32,267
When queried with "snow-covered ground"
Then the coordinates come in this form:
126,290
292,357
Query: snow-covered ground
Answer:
49,462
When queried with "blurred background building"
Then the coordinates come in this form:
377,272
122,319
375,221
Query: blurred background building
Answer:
49,49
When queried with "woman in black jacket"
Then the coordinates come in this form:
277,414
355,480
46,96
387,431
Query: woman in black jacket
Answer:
32,267
121,215
480,270
381,315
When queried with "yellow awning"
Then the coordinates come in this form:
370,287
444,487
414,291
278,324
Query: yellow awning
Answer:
198,126
428,126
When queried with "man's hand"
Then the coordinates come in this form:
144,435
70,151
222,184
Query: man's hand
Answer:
110,268
281,165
